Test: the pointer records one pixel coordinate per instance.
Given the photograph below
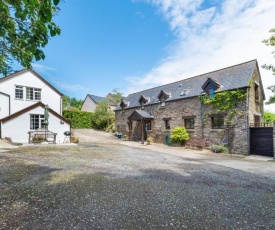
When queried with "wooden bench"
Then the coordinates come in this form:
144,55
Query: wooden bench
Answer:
41,135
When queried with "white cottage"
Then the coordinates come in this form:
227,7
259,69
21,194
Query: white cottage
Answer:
23,96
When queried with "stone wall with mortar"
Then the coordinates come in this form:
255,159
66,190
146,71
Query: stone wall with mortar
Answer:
176,111
274,139
256,107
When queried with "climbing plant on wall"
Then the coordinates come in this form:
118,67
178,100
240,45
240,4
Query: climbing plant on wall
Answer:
225,102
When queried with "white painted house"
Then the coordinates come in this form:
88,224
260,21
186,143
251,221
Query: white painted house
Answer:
23,96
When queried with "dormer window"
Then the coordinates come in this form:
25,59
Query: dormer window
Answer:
123,104
210,86
211,93
162,102
142,106
143,100
163,96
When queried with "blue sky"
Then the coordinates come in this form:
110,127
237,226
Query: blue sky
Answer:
132,45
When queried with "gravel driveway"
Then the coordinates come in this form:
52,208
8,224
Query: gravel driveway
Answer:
102,184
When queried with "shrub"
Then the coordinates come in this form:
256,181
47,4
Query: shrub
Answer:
111,127
79,119
179,135
74,139
39,138
219,148
149,140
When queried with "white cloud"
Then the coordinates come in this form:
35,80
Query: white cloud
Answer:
71,87
212,38
42,68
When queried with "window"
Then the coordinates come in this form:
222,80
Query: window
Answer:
142,105
148,125
33,94
162,102
217,122
37,121
211,93
19,92
256,92
184,92
189,123
167,124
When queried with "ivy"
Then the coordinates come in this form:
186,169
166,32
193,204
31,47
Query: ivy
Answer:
225,102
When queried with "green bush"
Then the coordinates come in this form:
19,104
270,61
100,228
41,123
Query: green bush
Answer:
179,135
79,119
219,148
269,117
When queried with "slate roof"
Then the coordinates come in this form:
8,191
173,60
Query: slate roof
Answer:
98,99
234,77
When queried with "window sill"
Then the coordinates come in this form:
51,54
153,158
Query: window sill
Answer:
32,100
215,130
19,99
190,130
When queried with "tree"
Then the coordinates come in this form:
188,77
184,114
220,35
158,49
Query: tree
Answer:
65,101
270,42
103,116
269,117
76,103
25,28
115,96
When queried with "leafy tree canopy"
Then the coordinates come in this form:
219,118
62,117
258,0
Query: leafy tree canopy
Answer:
271,42
115,96
73,102
269,117
25,28
103,116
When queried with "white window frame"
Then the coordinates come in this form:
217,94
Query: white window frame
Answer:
36,121
33,94
19,92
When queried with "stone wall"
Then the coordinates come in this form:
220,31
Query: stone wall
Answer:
177,110
274,139
255,107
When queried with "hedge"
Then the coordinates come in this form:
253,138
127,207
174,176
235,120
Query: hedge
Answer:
79,119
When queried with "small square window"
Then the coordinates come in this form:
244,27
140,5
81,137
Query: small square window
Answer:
189,123
217,122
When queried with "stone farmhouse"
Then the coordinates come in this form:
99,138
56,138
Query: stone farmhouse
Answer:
154,112
23,98
91,101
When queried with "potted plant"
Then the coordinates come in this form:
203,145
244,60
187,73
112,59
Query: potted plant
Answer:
149,140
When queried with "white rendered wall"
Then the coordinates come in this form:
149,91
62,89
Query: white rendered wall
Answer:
17,129
27,79
4,106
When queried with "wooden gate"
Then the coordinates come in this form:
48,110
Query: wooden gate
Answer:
261,139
